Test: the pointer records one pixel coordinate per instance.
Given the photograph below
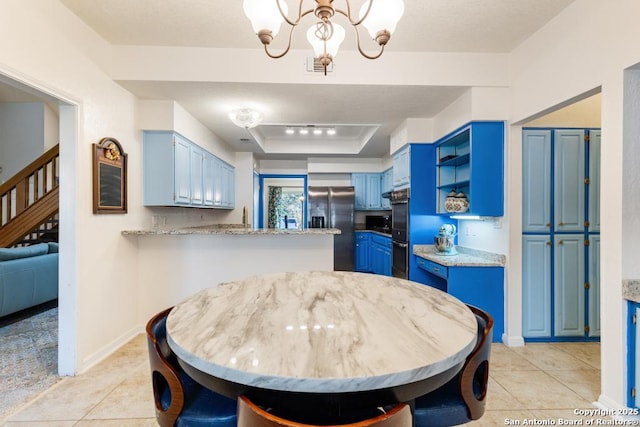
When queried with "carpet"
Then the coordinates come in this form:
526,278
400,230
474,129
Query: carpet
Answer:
29,356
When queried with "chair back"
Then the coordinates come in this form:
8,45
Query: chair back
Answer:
163,374
251,415
474,376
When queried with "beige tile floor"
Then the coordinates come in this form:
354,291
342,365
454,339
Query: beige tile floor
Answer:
537,381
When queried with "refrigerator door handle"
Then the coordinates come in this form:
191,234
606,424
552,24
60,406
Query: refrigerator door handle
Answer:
402,245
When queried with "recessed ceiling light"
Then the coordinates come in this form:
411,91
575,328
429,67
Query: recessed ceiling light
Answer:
289,131
303,131
331,131
317,131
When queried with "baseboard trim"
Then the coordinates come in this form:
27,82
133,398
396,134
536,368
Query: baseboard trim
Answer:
513,341
108,349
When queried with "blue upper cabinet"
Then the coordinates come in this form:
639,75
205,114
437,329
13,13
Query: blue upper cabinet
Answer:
536,181
177,172
387,185
569,180
594,181
368,190
402,168
471,161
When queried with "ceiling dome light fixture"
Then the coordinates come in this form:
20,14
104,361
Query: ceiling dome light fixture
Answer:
246,117
379,17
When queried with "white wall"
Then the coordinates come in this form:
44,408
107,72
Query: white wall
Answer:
46,46
22,135
549,69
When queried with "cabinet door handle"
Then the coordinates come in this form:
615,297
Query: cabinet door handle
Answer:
561,224
561,242
548,225
549,243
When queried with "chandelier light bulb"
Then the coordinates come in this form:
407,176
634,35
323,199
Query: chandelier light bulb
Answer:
264,15
384,15
318,44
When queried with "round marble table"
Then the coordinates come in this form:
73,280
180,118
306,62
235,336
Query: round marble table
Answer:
322,339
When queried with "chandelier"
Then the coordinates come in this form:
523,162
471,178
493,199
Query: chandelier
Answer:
246,117
379,17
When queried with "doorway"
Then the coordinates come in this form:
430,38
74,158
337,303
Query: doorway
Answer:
67,111
283,201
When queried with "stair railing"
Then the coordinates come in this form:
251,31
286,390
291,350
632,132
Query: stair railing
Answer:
32,183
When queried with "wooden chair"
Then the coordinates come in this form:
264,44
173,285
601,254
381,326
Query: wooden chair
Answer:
179,399
251,415
463,398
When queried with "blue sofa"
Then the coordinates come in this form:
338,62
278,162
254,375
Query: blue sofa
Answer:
28,276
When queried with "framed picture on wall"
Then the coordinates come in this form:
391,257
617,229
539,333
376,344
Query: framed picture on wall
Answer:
109,177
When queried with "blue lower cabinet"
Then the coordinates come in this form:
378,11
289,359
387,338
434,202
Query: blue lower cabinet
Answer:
633,354
362,252
482,287
381,254
372,253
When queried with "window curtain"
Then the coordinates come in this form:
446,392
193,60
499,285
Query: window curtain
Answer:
275,208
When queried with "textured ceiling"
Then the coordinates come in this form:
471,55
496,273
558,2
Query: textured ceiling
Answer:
427,25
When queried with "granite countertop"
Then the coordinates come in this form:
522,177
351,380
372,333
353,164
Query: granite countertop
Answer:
237,229
631,290
466,257
305,331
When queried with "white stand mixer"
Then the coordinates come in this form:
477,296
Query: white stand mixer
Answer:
444,240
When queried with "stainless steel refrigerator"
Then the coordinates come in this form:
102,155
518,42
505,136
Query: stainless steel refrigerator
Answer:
333,207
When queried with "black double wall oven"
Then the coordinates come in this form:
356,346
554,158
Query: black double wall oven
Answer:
400,233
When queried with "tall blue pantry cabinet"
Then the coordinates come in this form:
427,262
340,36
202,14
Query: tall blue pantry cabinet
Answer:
561,234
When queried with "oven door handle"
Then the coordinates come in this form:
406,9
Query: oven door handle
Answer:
402,245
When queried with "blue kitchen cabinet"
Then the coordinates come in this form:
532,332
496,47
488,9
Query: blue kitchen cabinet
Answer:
470,160
560,222
197,175
402,168
387,186
593,286
482,287
594,181
372,253
381,254
181,167
368,190
633,354
224,185
569,180
208,172
536,285
569,285
177,172
536,180
362,252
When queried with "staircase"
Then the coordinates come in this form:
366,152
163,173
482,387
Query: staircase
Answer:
29,203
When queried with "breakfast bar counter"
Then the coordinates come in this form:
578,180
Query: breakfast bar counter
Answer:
322,339
174,263
231,230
